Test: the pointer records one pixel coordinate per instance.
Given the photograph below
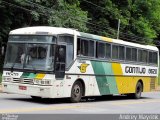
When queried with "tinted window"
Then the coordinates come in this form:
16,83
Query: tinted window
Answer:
114,52
85,47
32,38
153,57
108,50
150,57
134,54
66,39
139,55
144,56
91,49
101,50
128,54
121,52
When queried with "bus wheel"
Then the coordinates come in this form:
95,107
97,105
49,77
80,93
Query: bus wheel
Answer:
35,97
138,91
76,92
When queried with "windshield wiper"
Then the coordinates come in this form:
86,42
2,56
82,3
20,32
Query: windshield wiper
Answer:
14,64
33,68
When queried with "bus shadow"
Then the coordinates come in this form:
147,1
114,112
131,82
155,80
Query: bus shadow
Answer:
110,98
83,100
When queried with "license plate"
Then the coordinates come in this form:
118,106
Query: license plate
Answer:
22,87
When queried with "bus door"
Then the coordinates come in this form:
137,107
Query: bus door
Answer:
60,61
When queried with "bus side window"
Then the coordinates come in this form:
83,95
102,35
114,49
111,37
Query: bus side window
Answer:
114,52
134,54
153,57
144,56
101,50
85,47
108,50
128,54
121,52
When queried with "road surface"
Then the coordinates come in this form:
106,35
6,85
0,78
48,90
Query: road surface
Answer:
19,104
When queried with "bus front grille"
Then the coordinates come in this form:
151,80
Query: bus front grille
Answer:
152,84
22,80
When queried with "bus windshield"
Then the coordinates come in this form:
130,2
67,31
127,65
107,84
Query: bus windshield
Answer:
32,56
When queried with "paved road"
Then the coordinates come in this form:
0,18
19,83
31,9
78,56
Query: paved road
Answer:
12,103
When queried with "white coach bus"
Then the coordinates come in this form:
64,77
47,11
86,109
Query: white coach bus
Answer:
51,62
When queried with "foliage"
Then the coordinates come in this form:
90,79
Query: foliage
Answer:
21,13
67,15
138,17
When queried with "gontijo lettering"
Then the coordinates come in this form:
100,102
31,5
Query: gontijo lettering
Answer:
139,70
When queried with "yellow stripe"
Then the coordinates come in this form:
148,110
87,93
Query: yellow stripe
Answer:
117,70
106,39
128,84
39,76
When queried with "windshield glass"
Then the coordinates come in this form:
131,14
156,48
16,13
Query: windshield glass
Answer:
14,52
32,56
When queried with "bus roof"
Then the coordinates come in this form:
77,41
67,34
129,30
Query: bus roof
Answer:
46,30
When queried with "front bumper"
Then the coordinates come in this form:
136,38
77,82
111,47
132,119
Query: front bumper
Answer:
32,90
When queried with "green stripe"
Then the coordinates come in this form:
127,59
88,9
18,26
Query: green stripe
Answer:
106,85
28,75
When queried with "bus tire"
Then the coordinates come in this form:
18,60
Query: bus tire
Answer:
76,92
138,91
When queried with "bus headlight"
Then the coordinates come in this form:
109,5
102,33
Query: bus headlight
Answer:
7,79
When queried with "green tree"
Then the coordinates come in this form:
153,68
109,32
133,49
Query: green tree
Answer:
68,15
21,13
138,18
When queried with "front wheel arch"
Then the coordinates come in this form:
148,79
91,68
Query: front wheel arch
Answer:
79,87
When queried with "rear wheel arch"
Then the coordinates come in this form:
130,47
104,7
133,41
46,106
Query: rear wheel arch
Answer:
140,80
138,90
